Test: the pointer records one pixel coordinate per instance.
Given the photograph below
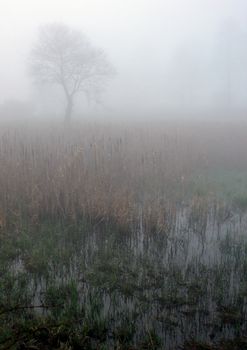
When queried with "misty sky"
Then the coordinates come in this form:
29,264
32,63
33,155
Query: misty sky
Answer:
144,39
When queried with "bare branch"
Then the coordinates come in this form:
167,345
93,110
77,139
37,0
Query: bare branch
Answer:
65,57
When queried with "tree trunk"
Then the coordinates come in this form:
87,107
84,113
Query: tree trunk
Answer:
69,108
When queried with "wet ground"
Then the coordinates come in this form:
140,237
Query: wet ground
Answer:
179,286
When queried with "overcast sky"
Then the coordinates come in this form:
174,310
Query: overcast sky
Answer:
141,38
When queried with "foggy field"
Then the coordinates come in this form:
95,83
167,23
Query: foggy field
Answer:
123,235
123,175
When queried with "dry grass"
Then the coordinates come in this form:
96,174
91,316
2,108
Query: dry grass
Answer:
110,171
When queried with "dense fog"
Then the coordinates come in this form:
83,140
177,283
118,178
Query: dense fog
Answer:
123,175
170,56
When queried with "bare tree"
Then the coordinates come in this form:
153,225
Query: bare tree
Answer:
65,57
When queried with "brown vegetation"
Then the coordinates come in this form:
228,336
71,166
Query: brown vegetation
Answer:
111,171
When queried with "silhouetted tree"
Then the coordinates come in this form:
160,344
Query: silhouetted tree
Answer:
64,56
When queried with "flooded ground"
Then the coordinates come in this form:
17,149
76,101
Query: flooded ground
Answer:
123,238
183,283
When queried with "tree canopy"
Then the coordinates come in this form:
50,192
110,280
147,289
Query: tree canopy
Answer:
65,57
